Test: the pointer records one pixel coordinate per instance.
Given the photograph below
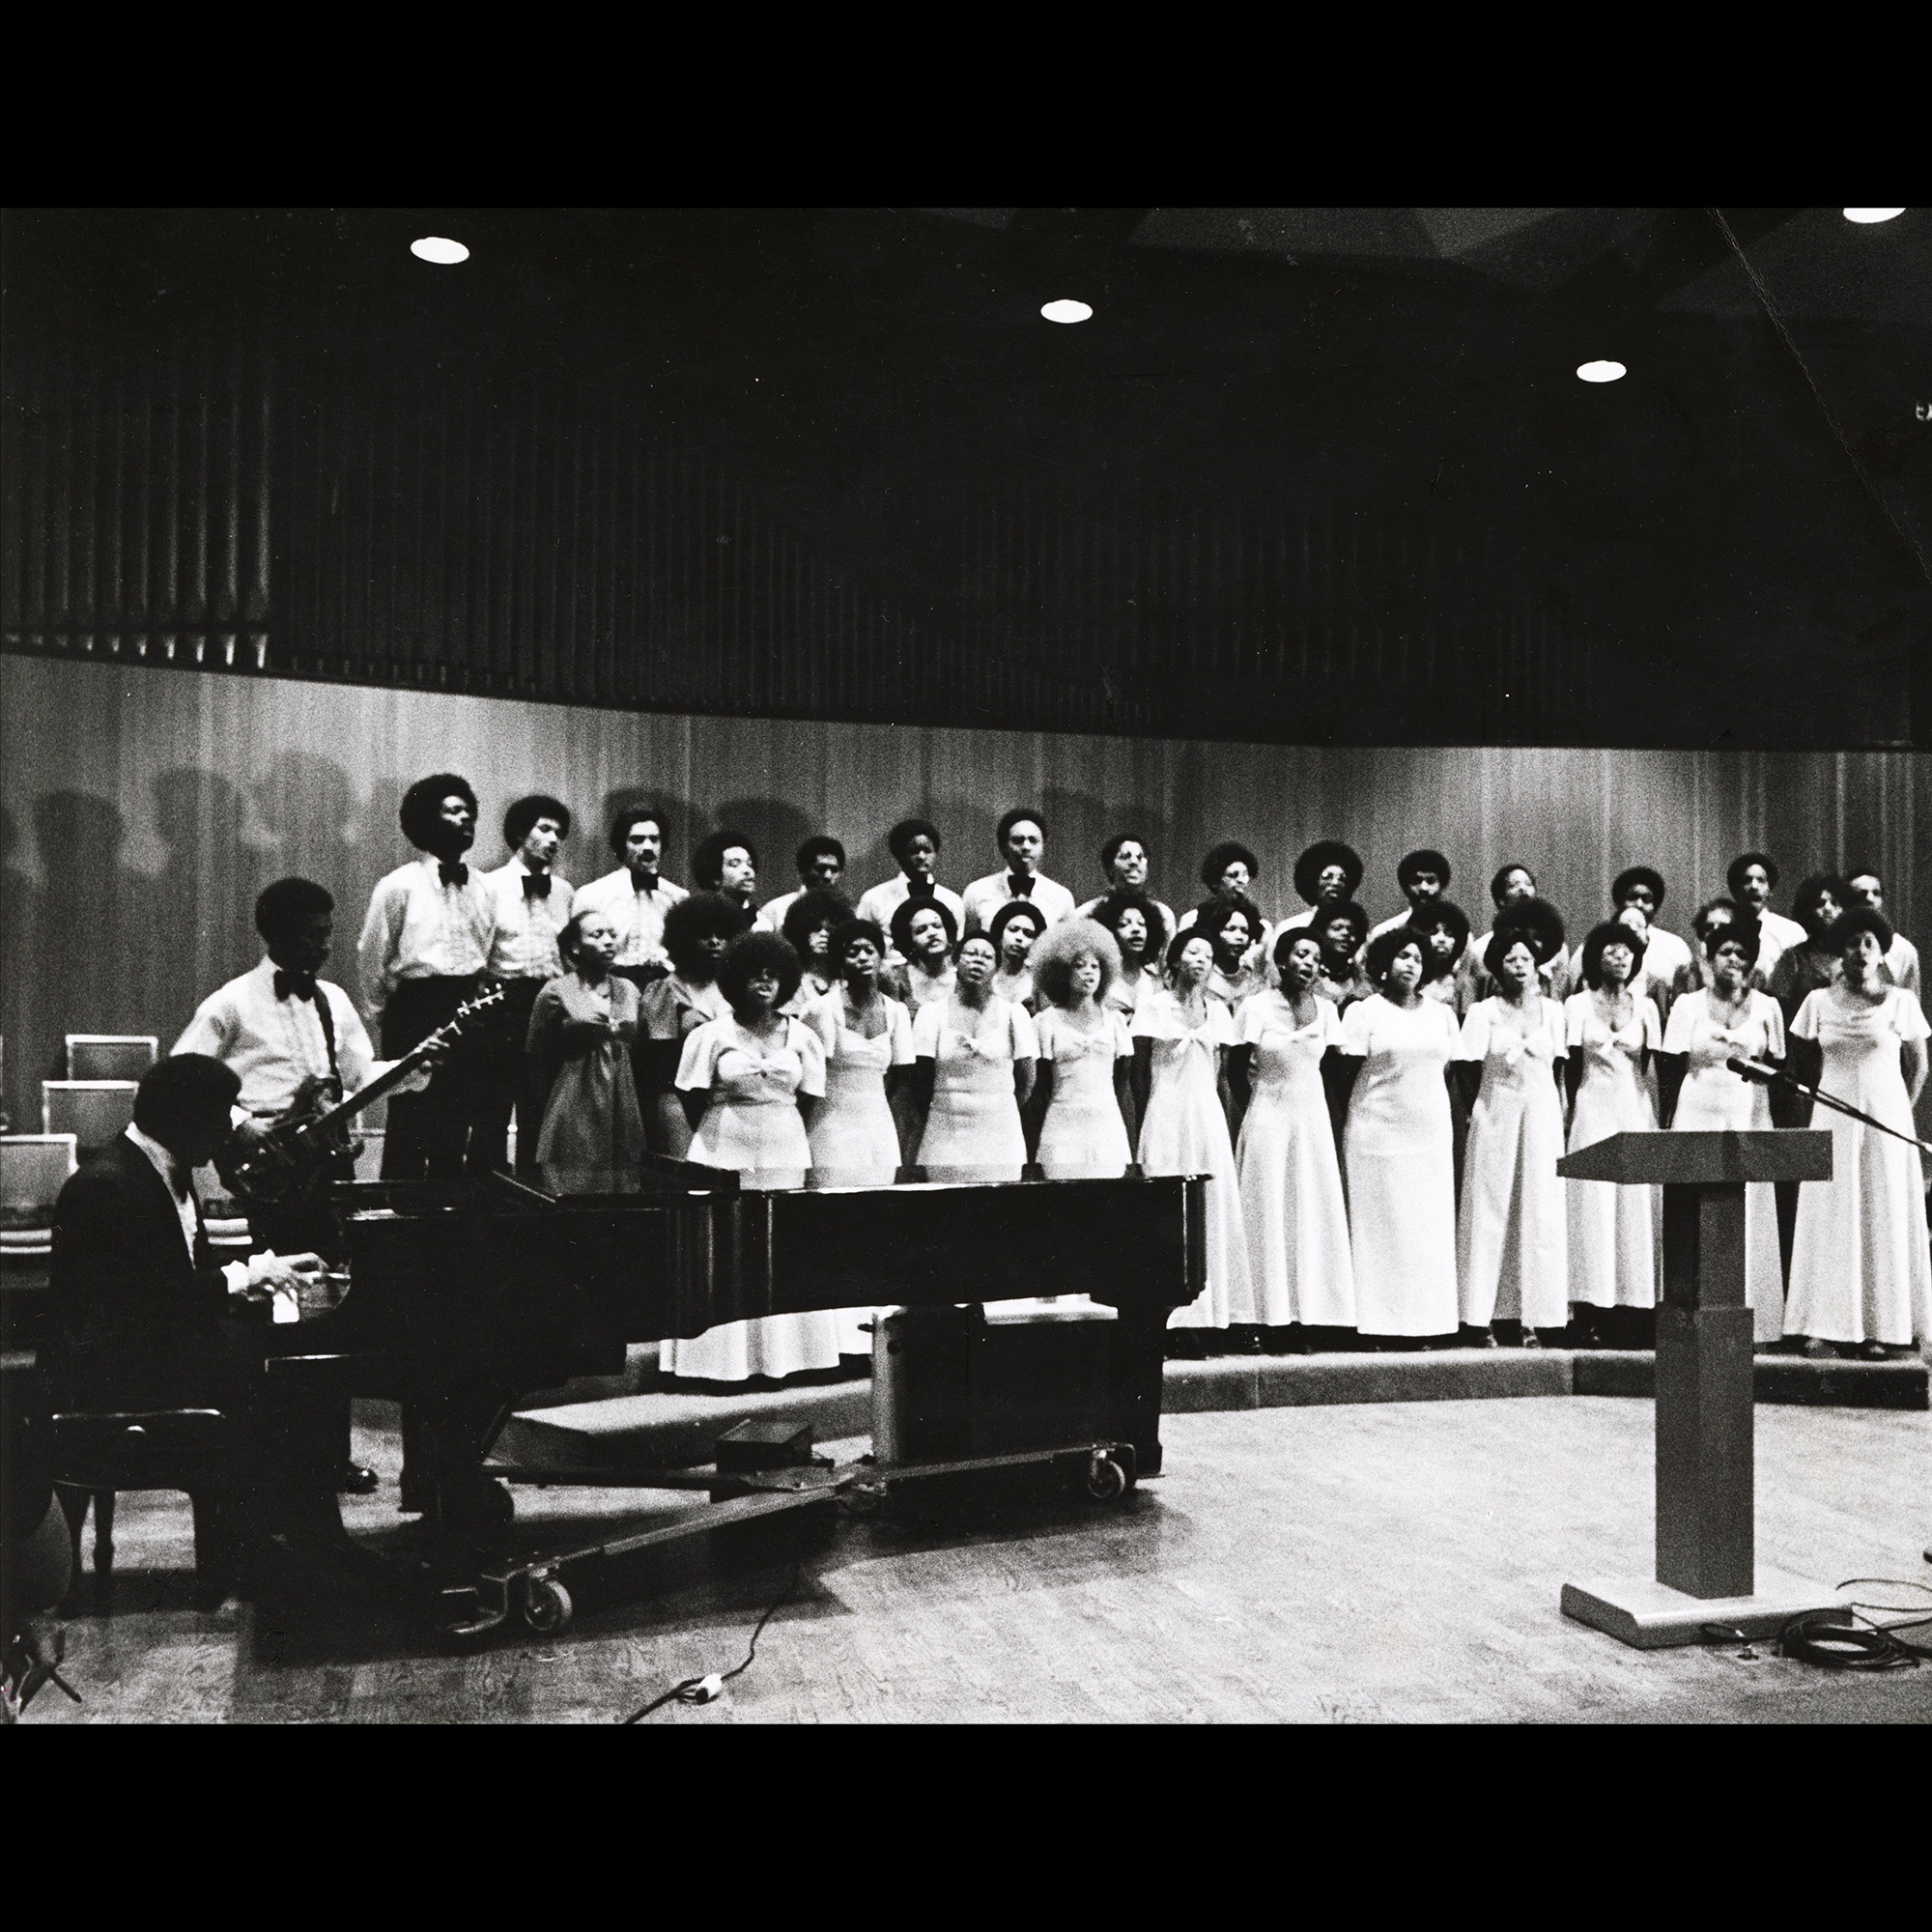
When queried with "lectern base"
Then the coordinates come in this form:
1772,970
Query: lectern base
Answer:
1649,1615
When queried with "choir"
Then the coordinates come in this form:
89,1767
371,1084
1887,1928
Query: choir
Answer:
1380,1108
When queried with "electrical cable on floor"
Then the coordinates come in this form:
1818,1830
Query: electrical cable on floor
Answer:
1821,1639
709,1689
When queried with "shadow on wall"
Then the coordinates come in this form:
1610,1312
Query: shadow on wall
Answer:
96,933
20,943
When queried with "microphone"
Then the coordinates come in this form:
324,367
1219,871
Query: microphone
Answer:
1753,1069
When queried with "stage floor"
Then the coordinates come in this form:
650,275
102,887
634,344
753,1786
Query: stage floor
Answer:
1386,1562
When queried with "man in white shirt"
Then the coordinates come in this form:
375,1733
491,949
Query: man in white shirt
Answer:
915,843
1753,877
294,1040
1021,839
1513,884
424,947
1328,873
637,895
1424,877
1667,962
1901,958
532,907
821,865
1123,860
728,863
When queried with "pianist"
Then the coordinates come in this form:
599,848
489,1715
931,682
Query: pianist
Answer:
142,1318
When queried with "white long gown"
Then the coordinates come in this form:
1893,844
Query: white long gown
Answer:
1615,1233
1714,1099
1187,1132
855,1142
752,1126
1083,1132
1859,1269
1399,1167
1292,1202
973,1130
1512,1247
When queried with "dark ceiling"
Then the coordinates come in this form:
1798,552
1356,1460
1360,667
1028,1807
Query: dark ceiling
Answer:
1306,473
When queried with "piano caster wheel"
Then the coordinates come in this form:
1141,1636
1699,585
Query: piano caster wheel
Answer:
1106,1479
547,1606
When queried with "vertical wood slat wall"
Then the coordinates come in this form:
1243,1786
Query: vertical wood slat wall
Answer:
301,512
143,809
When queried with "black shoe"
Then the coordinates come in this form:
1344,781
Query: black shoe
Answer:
357,1479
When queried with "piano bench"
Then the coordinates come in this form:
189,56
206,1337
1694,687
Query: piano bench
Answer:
97,1454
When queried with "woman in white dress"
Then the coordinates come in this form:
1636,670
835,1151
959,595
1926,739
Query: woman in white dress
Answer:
1612,1030
697,930
924,934
1342,930
1398,1166
1512,1256
1082,1108
1181,1036
1291,1204
1015,930
1861,1275
1235,929
752,1084
1730,1018
973,1071
1140,928
808,924
858,1136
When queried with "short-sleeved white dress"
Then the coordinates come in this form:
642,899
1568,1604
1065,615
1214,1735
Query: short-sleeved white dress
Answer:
1398,1167
1859,1269
752,1126
1291,1201
1615,1233
1187,1132
1715,1099
973,1130
854,1140
1083,1132
1512,1247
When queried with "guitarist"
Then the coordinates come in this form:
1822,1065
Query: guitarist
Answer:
296,1043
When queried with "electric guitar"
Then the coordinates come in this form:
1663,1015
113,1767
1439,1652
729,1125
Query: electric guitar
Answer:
311,1144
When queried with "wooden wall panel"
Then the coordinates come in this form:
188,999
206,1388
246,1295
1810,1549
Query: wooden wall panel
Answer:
143,809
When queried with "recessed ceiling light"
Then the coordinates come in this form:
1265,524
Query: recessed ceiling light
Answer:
1602,371
1868,216
439,248
1066,311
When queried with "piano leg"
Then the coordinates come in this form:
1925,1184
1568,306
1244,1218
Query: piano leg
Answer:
446,1431
1135,1370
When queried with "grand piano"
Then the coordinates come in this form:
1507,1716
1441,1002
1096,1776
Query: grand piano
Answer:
464,1297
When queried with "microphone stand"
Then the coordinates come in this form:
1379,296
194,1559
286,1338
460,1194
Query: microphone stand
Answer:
1766,1076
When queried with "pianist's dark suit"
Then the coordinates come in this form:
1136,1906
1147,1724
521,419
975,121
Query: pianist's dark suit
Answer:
136,1320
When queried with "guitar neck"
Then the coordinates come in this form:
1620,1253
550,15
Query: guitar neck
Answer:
367,1096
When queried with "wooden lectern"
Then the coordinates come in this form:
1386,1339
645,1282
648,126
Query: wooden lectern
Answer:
1706,1570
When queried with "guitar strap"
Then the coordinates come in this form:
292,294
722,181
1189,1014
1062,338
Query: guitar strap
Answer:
328,1022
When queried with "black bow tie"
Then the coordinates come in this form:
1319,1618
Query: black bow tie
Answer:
536,885
294,986
1019,887
646,883
920,889
453,873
